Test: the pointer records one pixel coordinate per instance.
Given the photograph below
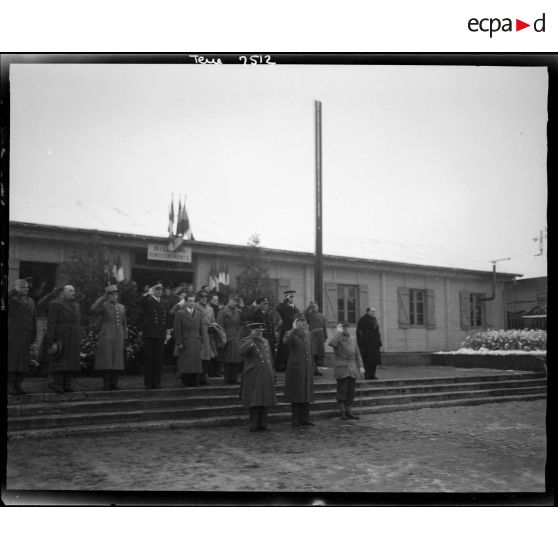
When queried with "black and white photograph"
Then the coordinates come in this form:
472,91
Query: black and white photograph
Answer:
284,278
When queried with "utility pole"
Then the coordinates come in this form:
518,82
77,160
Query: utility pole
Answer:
318,267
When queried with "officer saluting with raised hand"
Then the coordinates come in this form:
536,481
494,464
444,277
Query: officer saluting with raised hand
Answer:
258,376
155,332
287,310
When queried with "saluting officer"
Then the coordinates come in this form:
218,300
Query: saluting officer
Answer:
299,376
109,357
258,377
155,332
287,310
263,315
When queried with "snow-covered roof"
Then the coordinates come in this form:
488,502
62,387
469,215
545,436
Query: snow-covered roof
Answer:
100,216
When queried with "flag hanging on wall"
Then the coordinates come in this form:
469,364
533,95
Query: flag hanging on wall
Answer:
219,277
119,270
213,277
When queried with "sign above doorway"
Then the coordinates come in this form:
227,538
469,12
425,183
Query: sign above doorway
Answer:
161,252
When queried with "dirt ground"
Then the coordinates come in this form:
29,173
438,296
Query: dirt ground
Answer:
497,447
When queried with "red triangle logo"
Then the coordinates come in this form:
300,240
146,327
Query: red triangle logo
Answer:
519,25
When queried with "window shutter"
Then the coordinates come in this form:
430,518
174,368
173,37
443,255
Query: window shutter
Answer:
403,307
363,298
430,310
465,306
330,302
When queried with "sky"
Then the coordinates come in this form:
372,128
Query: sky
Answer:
426,164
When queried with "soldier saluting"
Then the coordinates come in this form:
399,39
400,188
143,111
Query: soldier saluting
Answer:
258,376
155,332
287,310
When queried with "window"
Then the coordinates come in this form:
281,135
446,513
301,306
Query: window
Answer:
347,303
473,310
477,310
344,302
416,308
417,300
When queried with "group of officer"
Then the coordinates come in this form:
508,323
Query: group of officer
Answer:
207,335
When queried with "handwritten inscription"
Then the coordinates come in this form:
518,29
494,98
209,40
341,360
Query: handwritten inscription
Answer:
253,59
204,60
256,59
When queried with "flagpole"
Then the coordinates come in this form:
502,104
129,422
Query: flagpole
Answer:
318,264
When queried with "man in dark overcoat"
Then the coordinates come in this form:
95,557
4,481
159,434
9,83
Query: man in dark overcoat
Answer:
42,306
318,331
63,338
109,357
230,319
258,377
188,334
155,332
217,360
299,375
287,310
22,333
369,342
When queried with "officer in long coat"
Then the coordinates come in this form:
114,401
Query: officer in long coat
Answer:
230,319
318,331
369,342
22,333
109,357
207,318
155,332
299,375
287,310
258,377
188,333
63,340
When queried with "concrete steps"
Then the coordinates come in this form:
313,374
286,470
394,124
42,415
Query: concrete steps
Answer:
46,414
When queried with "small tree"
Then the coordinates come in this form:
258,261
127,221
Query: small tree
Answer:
254,282
86,269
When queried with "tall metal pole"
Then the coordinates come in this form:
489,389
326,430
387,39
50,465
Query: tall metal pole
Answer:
318,268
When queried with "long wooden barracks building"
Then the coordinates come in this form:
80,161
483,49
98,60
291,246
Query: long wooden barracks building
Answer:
420,308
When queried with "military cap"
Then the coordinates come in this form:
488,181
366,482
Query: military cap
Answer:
111,289
287,293
262,299
157,285
300,316
256,325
